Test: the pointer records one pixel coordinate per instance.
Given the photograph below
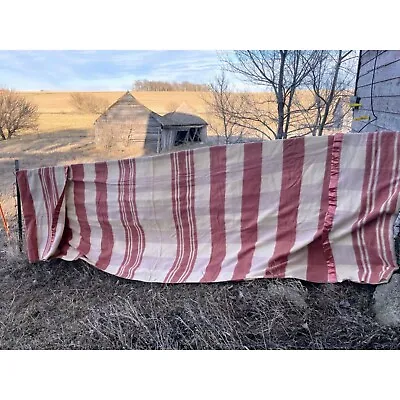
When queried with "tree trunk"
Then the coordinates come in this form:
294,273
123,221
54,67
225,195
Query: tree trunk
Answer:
280,98
281,108
331,95
292,91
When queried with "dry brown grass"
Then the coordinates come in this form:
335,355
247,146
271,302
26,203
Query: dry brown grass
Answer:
61,305
160,102
71,305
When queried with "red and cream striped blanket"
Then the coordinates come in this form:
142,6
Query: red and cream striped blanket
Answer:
320,209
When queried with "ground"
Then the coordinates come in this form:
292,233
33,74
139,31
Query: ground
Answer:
60,305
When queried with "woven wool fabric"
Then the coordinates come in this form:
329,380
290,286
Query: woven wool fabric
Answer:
319,209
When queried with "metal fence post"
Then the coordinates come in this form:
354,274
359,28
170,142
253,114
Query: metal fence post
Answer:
18,207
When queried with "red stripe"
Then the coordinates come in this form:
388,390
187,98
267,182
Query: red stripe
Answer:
78,178
252,166
365,195
292,171
28,208
134,234
66,238
332,205
64,244
107,237
53,170
183,195
58,201
53,187
217,212
317,268
373,229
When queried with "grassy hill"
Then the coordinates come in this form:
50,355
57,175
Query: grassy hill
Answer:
57,112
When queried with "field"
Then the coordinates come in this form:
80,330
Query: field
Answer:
59,305
64,134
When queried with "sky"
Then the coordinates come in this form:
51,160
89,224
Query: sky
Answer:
103,70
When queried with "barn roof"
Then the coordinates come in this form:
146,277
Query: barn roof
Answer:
183,115
127,100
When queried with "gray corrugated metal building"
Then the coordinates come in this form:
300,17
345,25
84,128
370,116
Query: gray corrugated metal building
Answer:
378,87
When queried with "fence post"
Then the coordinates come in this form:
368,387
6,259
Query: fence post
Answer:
18,207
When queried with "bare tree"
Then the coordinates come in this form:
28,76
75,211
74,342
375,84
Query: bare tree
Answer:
328,81
223,105
163,86
172,106
281,73
16,113
88,103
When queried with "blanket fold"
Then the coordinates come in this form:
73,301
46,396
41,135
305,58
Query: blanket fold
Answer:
43,204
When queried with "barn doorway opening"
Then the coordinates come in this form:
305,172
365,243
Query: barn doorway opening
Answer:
180,137
188,135
194,135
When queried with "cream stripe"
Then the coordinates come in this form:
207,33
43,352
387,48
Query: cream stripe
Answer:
233,209
203,223
115,216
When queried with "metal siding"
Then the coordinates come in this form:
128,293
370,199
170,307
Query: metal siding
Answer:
385,93
382,74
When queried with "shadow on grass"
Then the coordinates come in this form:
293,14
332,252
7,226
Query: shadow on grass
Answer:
45,149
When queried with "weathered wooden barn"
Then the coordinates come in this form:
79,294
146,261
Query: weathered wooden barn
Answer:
182,126
377,91
127,121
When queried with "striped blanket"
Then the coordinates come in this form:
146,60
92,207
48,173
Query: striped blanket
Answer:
319,209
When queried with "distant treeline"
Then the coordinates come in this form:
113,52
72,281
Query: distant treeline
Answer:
160,86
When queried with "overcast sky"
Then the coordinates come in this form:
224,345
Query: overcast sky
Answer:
103,70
